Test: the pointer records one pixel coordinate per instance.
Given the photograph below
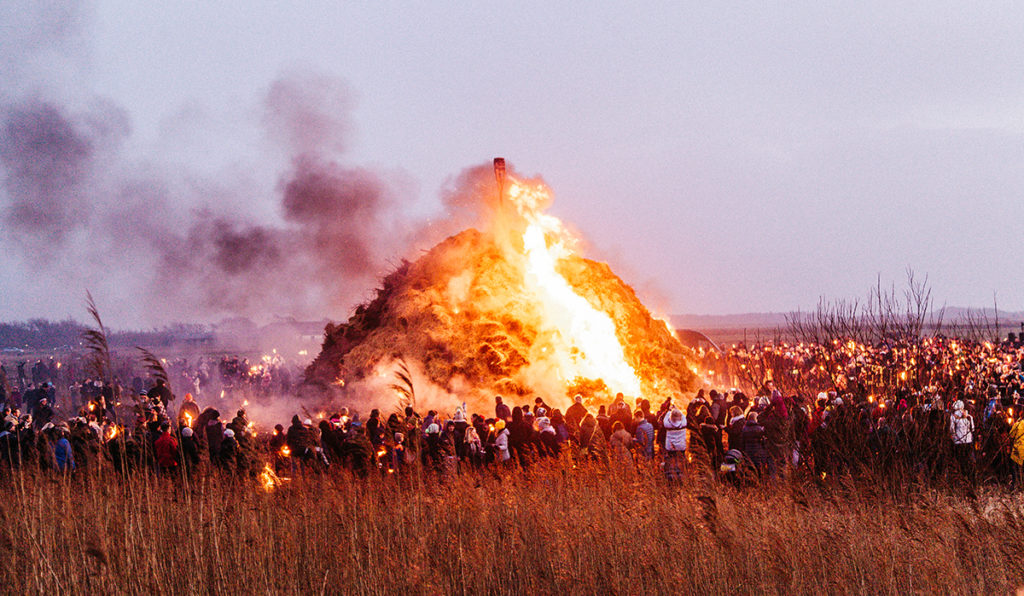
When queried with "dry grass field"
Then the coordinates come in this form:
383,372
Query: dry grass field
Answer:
550,530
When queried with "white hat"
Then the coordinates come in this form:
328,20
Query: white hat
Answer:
229,433
958,405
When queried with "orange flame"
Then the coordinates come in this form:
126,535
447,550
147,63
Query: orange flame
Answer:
581,341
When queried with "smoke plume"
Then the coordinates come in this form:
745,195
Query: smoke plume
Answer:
79,210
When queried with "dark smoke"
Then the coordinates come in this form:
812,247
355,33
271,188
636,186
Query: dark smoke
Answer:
161,238
45,161
335,232
337,227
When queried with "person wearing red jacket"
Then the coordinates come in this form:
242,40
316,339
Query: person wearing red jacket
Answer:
166,449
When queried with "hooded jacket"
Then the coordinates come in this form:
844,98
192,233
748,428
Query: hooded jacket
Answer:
675,432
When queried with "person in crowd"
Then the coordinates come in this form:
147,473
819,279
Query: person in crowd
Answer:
576,412
63,455
961,427
592,440
620,443
166,449
674,424
228,453
754,444
501,442
644,435
188,413
161,393
189,449
501,410
214,430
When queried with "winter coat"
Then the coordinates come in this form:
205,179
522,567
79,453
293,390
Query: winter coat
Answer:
753,443
711,435
166,450
214,436
190,450
735,432
961,427
63,456
228,453
501,442
645,438
675,433
575,414
1017,442
620,440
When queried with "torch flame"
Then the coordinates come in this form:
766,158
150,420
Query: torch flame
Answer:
268,479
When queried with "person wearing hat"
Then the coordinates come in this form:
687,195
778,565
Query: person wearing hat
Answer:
501,442
189,449
228,453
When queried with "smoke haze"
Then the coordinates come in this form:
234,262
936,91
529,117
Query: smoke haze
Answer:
156,242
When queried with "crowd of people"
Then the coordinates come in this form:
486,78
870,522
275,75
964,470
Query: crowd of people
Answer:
938,408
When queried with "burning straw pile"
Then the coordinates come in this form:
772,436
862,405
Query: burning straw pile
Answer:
512,310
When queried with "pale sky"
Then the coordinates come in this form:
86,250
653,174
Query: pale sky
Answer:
723,157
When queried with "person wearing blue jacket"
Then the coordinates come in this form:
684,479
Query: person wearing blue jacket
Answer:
63,457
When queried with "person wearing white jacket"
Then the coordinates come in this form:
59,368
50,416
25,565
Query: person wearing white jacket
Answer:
674,424
501,442
961,429
675,430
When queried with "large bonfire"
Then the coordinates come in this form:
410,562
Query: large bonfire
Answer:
511,310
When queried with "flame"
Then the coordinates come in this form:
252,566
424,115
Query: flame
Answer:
583,339
112,432
285,451
188,419
268,479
